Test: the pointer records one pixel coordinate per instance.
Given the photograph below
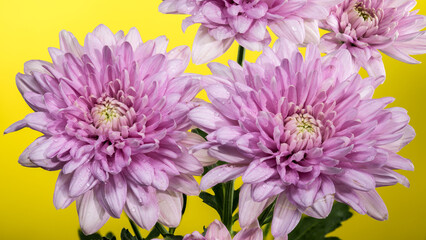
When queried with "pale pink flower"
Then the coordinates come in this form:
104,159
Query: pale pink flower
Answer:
114,118
223,21
366,26
303,133
218,231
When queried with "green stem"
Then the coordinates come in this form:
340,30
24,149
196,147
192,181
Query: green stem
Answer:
228,205
135,229
241,55
163,231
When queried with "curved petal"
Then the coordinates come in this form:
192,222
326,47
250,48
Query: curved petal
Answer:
249,208
170,205
144,214
217,230
112,195
286,217
61,199
91,214
220,174
202,49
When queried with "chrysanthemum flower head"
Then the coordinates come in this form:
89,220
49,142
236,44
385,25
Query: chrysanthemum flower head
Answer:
114,118
302,133
223,21
366,26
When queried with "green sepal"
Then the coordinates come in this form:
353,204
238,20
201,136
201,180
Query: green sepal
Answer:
153,234
109,236
172,237
95,236
126,235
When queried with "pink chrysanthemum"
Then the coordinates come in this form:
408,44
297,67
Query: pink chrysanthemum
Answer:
303,133
114,118
218,231
366,26
223,21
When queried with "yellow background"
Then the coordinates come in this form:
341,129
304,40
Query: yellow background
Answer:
29,27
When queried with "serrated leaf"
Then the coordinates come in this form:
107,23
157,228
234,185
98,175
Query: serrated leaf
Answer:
199,132
126,235
95,236
315,229
209,200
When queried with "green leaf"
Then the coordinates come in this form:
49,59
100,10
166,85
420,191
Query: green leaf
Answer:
185,200
236,199
126,235
219,196
153,234
209,200
315,229
172,237
235,217
266,216
199,132
95,236
110,236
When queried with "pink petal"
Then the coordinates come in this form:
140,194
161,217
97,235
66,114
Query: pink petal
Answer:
286,217
217,230
324,200
207,117
81,181
203,45
134,38
250,209
290,29
252,232
69,43
170,206
221,174
357,179
91,214
185,184
145,215
374,204
61,199
258,172
112,195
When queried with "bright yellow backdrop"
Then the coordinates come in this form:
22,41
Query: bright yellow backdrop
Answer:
29,27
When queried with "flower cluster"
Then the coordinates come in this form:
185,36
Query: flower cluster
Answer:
301,131
222,21
366,26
